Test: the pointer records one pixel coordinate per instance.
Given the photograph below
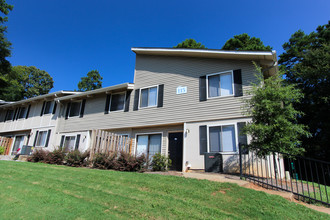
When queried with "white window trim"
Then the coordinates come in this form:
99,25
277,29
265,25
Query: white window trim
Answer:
51,108
6,120
148,133
38,137
80,101
219,73
75,139
236,138
109,110
139,107
19,112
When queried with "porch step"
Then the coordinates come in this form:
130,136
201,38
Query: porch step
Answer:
6,157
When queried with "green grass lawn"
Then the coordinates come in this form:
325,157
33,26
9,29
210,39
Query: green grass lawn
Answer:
42,191
320,192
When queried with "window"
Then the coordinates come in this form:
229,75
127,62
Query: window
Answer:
22,112
48,107
148,97
222,139
149,145
9,115
117,102
41,139
74,109
69,143
220,84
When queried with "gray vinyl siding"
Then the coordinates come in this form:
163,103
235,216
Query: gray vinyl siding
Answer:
172,72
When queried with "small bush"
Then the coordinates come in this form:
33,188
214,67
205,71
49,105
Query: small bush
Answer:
2,150
104,161
55,157
160,162
38,156
127,162
76,158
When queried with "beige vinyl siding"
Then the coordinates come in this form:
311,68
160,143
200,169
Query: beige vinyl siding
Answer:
33,121
164,130
172,72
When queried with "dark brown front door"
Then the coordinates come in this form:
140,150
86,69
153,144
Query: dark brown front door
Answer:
175,150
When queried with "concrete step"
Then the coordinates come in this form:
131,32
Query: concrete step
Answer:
6,157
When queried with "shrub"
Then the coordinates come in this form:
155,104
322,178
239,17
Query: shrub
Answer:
160,162
2,150
55,157
127,162
104,161
76,158
38,156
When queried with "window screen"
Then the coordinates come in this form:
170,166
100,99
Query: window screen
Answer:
48,107
41,140
148,97
74,109
220,85
222,139
22,112
117,102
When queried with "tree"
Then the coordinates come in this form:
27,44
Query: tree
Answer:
91,82
245,42
274,120
190,43
5,45
26,82
306,62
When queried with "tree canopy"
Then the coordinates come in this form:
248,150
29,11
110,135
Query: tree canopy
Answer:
306,62
5,45
26,82
274,119
92,81
190,43
245,42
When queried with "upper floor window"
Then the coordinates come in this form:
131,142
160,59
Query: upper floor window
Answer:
22,112
75,109
220,84
148,97
9,115
117,102
48,107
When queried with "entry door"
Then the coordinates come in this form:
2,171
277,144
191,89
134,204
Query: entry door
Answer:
17,144
175,150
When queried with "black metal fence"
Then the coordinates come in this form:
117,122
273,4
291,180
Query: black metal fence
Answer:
308,179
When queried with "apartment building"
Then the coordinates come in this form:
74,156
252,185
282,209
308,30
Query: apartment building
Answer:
182,103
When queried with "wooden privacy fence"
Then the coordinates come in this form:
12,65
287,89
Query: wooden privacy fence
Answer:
107,143
6,142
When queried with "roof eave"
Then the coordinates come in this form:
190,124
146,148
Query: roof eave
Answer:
127,86
38,98
208,53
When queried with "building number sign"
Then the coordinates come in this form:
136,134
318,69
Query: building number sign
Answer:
181,90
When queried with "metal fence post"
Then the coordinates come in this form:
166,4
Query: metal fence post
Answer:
240,160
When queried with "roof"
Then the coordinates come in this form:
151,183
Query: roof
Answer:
2,102
124,86
208,53
40,97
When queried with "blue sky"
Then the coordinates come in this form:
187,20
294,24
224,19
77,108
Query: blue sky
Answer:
68,38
